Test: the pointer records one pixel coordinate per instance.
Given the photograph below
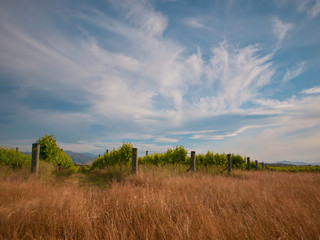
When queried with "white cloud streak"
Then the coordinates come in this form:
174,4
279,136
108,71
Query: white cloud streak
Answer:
166,140
233,77
315,10
314,90
194,22
293,135
192,132
280,29
223,136
295,72
142,15
312,8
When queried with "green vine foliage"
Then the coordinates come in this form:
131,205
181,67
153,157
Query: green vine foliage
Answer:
252,165
238,161
171,156
121,156
11,157
295,168
178,155
50,152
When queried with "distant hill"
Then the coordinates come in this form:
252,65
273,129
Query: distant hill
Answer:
295,163
77,158
81,158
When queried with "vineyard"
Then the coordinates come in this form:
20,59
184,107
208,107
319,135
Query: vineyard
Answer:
164,200
122,157
295,168
49,152
173,156
13,158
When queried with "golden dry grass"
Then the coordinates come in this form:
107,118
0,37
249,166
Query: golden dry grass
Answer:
160,205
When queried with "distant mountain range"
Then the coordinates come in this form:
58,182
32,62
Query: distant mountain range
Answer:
295,163
78,158
88,158
81,158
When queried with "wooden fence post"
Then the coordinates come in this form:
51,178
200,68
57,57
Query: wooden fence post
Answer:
35,158
229,163
147,153
193,161
134,160
262,165
107,151
17,149
59,164
257,165
248,163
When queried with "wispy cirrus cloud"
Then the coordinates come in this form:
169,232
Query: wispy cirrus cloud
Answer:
142,15
294,72
312,8
195,22
192,132
295,126
223,136
166,140
123,71
233,77
280,29
315,10
314,90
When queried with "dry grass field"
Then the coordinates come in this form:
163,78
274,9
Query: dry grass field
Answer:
161,204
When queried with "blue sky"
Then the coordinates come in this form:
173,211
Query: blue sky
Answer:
226,76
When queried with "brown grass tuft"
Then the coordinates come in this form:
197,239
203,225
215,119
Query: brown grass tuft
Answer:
159,205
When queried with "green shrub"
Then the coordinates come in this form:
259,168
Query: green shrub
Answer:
121,156
13,158
295,168
172,156
252,165
220,159
238,161
50,152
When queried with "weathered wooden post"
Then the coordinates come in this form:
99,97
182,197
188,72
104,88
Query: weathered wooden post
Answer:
262,165
59,164
147,153
257,165
248,163
35,158
229,163
107,151
17,149
134,160
193,161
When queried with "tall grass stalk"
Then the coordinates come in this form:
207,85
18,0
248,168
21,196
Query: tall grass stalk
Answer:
163,205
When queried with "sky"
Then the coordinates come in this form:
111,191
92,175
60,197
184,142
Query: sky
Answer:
226,76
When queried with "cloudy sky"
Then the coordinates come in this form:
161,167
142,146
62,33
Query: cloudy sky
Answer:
226,76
